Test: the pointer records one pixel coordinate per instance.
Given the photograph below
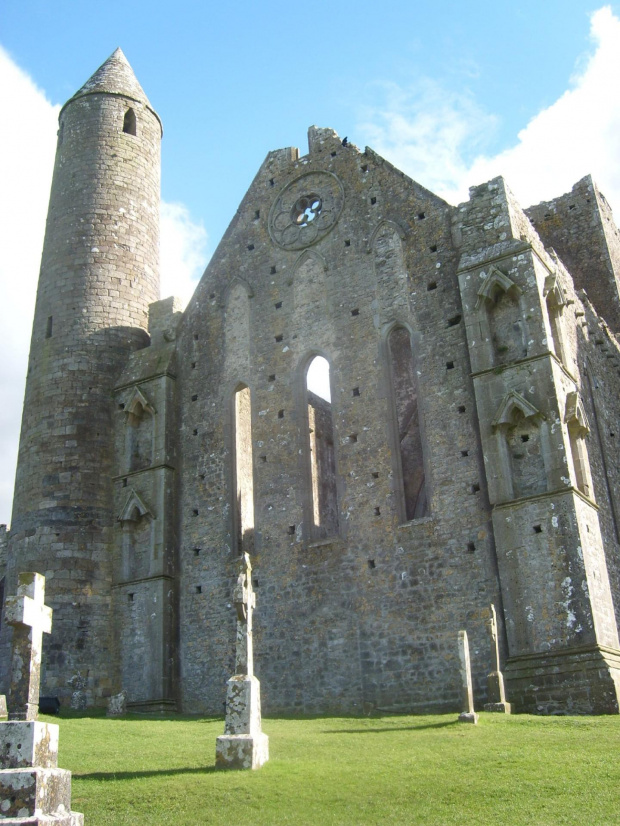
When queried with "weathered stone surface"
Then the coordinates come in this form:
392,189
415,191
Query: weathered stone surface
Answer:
117,704
28,743
468,715
24,793
3,710
242,751
496,695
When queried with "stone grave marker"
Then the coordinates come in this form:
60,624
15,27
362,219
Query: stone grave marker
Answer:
243,744
33,790
495,680
468,715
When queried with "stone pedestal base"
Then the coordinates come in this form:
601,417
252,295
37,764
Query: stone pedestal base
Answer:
500,708
241,751
468,717
37,795
24,744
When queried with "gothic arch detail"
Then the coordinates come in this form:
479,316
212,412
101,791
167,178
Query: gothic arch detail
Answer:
134,508
385,224
307,255
138,403
493,285
578,428
511,403
235,281
522,444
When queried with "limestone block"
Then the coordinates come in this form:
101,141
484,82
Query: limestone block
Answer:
243,714
27,792
3,711
117,704
241,751
28,743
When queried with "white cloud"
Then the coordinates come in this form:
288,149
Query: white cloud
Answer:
182,250
429,135
27,147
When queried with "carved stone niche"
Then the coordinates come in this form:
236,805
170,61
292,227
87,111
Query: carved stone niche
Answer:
523,442
501,318
136,521
139,431
578,429
555,302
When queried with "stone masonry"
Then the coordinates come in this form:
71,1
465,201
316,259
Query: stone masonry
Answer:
465,455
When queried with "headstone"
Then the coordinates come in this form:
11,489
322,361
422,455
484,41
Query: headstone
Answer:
33,790
3,711
117,704
243,744
495,680
79,700
468,715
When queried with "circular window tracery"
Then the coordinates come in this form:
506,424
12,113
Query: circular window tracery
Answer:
306,210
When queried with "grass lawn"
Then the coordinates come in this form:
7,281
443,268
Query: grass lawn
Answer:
342,770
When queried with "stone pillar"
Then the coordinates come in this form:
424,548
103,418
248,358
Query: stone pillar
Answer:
243,744
495,680
33,790
468,715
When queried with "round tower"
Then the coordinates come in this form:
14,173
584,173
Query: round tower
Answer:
99,272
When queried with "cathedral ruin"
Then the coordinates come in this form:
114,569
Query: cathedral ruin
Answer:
465,454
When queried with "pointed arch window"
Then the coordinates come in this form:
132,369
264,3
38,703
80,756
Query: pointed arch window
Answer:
322,513
521,431
139,431
408,449
578,429
243,486
130,123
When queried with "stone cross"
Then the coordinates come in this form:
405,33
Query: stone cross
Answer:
468,715
494,642
244,599
495,680
30,618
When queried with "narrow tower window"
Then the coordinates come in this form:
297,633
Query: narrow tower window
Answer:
49,326
244,474
322,481
407,435
129,123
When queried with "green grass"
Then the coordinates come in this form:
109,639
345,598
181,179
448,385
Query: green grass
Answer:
342,770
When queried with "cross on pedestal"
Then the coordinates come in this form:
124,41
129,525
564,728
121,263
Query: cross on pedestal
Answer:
30,618
244,599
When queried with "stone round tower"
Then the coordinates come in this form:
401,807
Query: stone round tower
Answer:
99,272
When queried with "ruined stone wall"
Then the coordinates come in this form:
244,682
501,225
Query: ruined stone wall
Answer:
579,226
99,272
371,614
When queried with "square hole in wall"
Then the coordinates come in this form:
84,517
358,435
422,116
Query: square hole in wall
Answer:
195,431
525,437
272,377
130,597
452,322
124,483
371,564
278,305
257,215
470,547
464,452
365,168
250,247
255,583
271,182
279,338
197,551
433,248
263,458
291,530
538,529
355,312
199,589
272,270
475,488
195,397
421,216
333,154
202,476
353,437
461,408
280,414
431,286
377,511
195,512
347,243
195,336
211,296
193,365
121,407
375,474
356,391
373,200
449,365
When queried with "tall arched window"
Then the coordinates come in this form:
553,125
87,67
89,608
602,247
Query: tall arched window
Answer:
409,456
244,471
129,122
139,437
321,453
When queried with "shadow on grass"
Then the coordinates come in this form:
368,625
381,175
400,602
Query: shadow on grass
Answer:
390,729
138,775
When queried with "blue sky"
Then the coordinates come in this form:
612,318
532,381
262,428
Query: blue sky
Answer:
452,93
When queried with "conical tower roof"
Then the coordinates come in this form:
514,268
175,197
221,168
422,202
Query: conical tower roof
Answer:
114,77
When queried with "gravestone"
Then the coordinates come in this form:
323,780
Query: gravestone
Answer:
495,680
243,744
3,711
79,699
117,704
33,790
468,715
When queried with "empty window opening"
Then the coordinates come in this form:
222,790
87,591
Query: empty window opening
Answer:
130,597
291,530
129,122
255,583
195,431
355,312
471,547
121,407
257,215
431,286
452,322
49,326
538,529
353,438
280,414
322,464
356,391
449,365
464,452
377,511
199,589
373,200
347,243
421,216
244,476
195,336
193,365
139,438
272,270
409,455
371,564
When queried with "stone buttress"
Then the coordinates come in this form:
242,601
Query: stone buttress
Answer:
99,272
